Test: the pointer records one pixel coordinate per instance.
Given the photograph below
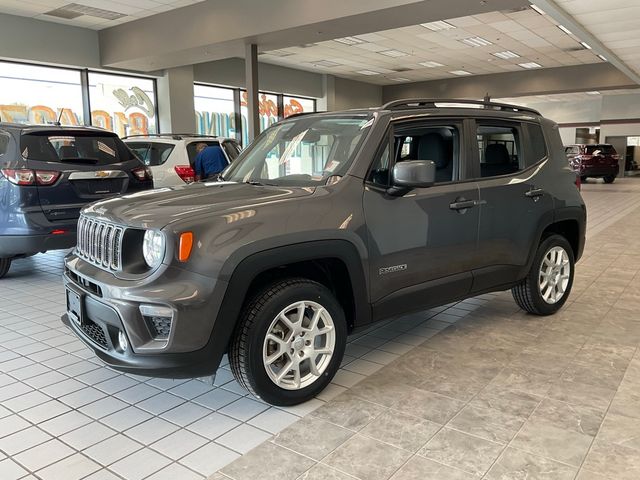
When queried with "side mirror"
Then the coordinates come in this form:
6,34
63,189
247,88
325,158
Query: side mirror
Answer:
413,174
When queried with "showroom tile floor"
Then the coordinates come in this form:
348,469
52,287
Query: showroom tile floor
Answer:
474,390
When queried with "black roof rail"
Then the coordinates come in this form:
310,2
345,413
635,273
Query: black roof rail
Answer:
174,136
432,103
302,114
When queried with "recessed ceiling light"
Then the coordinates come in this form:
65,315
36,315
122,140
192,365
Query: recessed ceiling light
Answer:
586,45
565,29
278,53
603,58
476,42
431,64
348,40
593,93
530,65
325,63
400,79
393,53
460,72
367,72
439,25
537,9
506,54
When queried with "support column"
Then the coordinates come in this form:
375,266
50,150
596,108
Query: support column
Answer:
251,79
175,101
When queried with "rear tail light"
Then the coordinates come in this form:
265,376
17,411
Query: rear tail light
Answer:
46,178
142,173
186,173
26,177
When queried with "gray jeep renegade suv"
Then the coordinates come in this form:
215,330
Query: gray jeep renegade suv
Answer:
325,224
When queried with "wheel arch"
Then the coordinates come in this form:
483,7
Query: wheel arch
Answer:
324,261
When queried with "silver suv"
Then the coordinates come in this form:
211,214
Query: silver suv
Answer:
324,225
171,156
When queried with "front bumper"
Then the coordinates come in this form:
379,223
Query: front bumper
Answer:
111,307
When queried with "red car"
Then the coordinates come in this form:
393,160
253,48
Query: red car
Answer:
598,160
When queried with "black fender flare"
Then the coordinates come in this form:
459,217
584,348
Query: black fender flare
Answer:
250,267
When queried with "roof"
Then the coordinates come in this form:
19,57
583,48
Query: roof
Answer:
176,136
36,127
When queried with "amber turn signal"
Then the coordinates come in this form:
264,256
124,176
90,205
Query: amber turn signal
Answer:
185,245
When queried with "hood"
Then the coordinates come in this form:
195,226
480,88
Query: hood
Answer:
163,206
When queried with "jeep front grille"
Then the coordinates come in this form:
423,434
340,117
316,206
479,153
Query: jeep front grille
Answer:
100,243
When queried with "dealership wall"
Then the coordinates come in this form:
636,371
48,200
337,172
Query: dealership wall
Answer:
29,40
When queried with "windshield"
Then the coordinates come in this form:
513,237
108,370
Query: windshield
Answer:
304,152
74,147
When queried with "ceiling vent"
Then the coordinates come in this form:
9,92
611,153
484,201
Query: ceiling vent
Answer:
75,10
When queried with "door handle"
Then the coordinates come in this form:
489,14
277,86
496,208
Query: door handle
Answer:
465,204
534,193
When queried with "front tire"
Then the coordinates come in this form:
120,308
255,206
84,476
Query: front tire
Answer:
609,179
5,264
289,341
548,284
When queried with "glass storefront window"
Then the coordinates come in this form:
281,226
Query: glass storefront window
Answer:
214,111
35,94
268,107
293,105
125,105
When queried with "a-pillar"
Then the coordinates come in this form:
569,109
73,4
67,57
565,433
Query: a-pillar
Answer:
175,101
251,79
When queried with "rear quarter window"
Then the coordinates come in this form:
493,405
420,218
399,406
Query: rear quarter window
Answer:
152,154
537,144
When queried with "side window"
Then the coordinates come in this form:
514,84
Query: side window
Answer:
499,150
4,143
572,151
537,144
379,173
438,143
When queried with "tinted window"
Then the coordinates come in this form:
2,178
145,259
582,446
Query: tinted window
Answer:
499,151
151,153
572,150
4,143
600,150
231,149
537,145
379,173
420,141
74,147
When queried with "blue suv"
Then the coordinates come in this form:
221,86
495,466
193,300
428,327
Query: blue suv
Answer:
48,173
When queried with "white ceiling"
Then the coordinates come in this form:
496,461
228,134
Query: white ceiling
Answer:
615,23
132,9
565,97
534,37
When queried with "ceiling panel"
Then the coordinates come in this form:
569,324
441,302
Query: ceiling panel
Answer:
129,9
615,23
534,37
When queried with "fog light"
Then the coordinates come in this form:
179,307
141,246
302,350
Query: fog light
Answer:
122,341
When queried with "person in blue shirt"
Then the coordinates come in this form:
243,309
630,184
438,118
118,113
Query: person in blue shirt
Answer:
210,161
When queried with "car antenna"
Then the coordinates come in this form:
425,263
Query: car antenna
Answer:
59,117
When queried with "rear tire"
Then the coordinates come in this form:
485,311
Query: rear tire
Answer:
609,179
548,284
583,179
5,264
289,341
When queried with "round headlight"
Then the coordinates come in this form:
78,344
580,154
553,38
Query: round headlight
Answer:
153,248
